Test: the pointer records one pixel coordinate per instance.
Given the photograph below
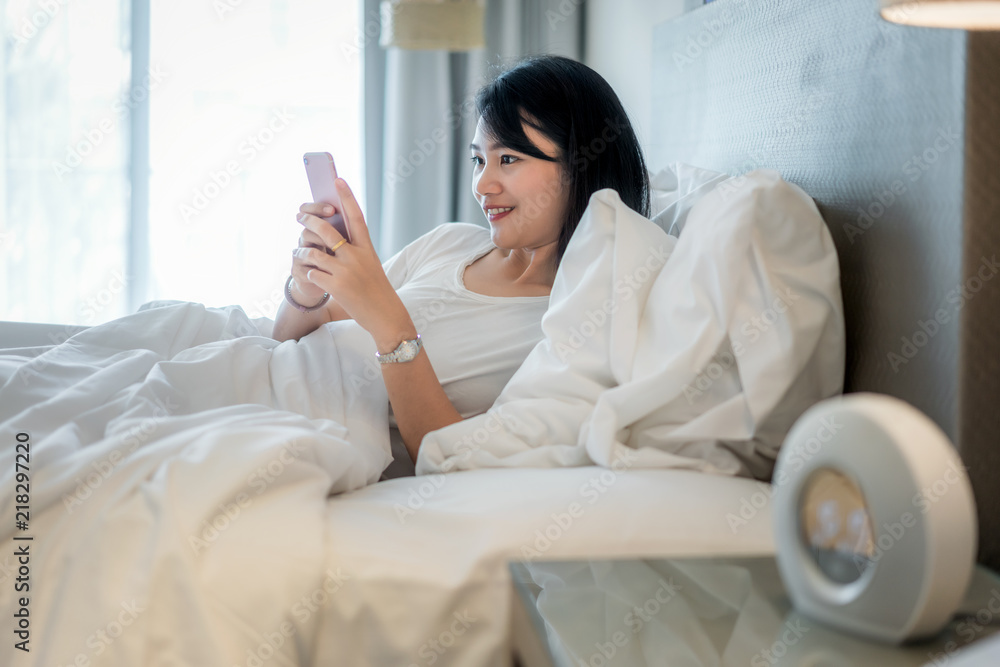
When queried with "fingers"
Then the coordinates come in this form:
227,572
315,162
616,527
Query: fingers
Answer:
319,209
352,212
323,230
310,239
307,259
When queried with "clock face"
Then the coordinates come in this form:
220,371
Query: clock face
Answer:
836,525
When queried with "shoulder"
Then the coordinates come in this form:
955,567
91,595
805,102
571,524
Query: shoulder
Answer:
451,238
458,231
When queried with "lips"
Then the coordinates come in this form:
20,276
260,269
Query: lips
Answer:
497,212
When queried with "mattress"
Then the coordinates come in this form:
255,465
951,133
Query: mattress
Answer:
421,562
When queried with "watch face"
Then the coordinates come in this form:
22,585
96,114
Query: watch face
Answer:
409,351
405,351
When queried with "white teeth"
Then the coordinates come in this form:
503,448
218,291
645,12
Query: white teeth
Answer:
494,211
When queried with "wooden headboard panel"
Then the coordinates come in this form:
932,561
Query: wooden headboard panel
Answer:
893,130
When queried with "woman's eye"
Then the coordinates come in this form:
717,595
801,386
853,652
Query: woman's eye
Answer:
507,159
476,160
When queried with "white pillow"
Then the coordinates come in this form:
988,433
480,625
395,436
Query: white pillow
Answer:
703,362
675,189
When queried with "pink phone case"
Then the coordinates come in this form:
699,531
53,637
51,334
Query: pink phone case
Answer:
321,173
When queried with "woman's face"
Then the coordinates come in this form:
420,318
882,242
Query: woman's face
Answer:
533,189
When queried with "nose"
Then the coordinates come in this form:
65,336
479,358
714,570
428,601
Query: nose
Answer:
486,182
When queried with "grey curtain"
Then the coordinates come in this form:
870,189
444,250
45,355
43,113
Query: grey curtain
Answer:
419,115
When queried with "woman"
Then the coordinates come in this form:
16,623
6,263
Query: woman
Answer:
551,133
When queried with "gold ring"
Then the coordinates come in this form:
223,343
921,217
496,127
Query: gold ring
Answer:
334,248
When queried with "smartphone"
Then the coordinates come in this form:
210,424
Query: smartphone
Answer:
322,173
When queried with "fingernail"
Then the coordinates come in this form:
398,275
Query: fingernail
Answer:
328,210
300,217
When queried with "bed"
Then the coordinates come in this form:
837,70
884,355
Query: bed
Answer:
412,571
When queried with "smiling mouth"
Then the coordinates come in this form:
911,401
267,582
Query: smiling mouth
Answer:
498,211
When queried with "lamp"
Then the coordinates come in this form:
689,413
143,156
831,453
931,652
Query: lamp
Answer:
966,14
452,25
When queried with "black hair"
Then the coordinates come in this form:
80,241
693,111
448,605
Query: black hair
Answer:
576,109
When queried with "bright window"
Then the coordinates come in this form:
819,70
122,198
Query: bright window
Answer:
247,88
237,90
63,161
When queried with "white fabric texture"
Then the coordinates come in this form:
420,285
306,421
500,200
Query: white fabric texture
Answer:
675,189
179,470
475,342
416,552
698,356
180,460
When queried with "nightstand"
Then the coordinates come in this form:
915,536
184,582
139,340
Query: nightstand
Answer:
703,611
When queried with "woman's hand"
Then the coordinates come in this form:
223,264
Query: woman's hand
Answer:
353,274
311,293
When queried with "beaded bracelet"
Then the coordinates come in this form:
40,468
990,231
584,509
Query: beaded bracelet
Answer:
305,309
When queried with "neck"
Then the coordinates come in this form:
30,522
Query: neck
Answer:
530,266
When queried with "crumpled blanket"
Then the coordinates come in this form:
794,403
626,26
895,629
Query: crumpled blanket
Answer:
170,502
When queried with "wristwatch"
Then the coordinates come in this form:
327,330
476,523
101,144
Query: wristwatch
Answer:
407,351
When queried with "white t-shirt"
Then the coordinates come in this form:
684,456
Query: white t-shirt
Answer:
474,342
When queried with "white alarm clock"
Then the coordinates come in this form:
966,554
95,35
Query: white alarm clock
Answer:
874,519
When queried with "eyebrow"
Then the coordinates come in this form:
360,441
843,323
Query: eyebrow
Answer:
493,146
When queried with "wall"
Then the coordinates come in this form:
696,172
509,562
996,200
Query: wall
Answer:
619,45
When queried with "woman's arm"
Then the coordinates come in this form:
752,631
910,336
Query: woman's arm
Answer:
290,322
419,402
355,274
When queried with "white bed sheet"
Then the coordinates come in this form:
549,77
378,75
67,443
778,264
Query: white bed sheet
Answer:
413,571
422,561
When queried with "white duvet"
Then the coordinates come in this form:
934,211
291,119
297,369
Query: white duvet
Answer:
179,470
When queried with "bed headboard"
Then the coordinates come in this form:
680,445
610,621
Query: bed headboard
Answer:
894,132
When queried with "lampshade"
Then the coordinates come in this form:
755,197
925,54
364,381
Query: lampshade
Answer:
452,25
967,14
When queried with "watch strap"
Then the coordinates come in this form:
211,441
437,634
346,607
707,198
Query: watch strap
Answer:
405,351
